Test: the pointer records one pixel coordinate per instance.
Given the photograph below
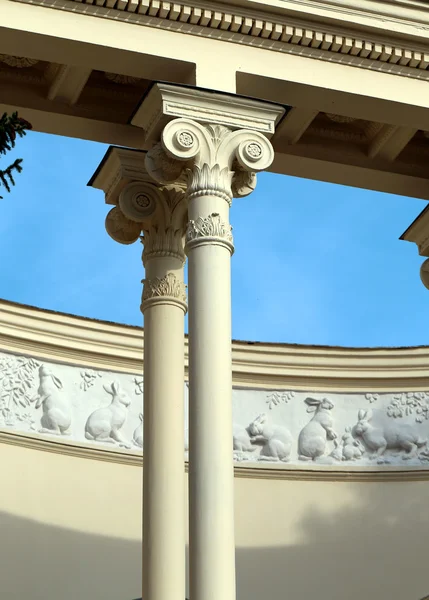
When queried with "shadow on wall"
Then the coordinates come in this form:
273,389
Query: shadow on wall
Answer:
43,562
375,548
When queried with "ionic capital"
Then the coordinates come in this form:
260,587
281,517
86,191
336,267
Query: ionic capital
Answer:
155,214
214,160
143,209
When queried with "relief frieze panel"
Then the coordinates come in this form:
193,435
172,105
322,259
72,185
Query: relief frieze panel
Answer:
287,428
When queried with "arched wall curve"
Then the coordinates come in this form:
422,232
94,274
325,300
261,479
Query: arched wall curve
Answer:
328,501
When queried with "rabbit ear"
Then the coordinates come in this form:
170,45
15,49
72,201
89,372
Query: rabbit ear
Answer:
312,404
368,414
108,390
348,429
115,387
57,382
262,418
312,401
361,415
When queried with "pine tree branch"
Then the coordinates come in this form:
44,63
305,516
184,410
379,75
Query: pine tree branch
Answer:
11,126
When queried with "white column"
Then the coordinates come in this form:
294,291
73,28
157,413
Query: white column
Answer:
162,214
218,163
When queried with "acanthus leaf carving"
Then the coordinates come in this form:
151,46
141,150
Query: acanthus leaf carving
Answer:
163,232
169,286
210,228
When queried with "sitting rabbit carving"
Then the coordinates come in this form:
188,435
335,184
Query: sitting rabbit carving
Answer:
56,411
241,439
390,437
138,433
313,437
105,423
352,448
276,440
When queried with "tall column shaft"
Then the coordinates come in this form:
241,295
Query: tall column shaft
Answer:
211,493
217,162
163,469
159,213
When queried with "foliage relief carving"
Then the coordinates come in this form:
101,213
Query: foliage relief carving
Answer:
90,405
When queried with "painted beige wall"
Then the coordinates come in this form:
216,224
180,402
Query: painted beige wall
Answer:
73,530
300,540
72,525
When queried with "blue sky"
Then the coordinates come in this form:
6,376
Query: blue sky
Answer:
315,263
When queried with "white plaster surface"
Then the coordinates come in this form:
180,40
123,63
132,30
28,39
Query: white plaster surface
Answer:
362,429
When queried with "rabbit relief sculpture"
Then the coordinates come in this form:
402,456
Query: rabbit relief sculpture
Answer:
352,448
56,416
241,442
276,440
241,439
313,437
138,433
397,436
105,423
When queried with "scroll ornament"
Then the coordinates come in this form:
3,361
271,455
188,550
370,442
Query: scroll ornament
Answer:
215,160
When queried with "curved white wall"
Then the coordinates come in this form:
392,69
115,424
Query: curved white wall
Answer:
70,509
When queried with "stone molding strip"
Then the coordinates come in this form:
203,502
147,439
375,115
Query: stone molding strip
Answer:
134,459
265,30
69,339
95,344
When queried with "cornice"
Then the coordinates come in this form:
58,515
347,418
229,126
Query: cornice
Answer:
378,36
135,459
109,346
68,339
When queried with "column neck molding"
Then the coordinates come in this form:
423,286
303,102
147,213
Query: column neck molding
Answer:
164,290
209,230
